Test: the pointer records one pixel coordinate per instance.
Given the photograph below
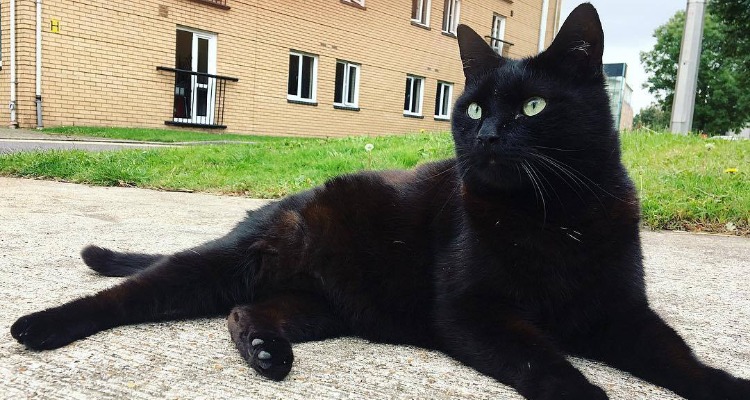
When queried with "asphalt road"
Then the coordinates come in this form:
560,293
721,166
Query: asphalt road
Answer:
699,283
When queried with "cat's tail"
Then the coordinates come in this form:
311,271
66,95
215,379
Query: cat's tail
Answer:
112,263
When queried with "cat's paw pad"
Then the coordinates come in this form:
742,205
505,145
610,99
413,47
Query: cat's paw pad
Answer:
47,330
270,355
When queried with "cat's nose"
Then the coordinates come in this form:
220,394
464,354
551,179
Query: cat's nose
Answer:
487,140
487,135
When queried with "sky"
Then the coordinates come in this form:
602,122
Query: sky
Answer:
628,29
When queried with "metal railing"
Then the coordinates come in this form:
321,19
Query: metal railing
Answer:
500,46
217,3
199,98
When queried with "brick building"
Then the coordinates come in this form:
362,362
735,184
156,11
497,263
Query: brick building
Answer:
324,68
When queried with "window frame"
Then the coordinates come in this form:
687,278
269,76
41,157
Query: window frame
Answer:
420,101
356,3
497,42
346,80
451,15
439,97
422,9
313,79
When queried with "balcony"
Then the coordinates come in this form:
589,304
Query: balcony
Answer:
214,3
501,47
199,99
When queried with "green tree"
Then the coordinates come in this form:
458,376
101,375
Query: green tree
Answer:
721,104
652,117
735,17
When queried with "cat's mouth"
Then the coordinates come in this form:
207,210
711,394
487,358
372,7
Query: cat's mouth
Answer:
494,158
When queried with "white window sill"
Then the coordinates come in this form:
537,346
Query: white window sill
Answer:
300,100
351,107
420,24
413,115
442,118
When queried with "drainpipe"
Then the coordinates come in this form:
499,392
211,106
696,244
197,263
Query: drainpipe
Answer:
543,25
13,83
39,124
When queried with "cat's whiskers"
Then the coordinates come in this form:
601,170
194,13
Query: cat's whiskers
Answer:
556,149
537,189
578,173
462,167
572,173
541,176
459,164
567,176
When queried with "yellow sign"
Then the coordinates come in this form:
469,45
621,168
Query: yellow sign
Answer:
54,26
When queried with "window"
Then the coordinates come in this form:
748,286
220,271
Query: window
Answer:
194,94
498,33
413,95
360,3
443,100
420,12
303,74
347,84
450,15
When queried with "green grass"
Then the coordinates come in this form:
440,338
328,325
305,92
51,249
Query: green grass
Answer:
267,169
681,179
156,135
683,184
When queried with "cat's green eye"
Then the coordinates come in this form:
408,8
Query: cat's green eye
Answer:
474,111
534,106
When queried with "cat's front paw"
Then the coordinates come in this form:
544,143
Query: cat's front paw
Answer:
723,386
588,392
573,389
269,354
49,329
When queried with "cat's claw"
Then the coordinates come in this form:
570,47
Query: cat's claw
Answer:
270,355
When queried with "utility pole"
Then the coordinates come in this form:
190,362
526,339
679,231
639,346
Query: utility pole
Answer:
687,70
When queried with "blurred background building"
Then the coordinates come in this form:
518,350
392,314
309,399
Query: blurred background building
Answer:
619,95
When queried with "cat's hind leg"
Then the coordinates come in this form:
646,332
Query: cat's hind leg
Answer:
263,331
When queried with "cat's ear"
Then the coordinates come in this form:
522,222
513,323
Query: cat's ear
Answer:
476,55
579,44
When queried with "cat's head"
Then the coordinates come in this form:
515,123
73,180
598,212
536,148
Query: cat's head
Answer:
536,118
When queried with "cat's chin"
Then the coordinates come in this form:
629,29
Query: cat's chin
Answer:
493,176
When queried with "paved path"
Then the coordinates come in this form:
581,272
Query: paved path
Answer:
19,145
17,140
700,283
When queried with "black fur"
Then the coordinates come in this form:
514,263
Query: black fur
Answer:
521,250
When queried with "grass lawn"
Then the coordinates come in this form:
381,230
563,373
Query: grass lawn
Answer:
690,183
156,135
266,169
681,180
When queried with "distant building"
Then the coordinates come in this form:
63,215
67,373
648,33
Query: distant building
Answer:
620,94
324,68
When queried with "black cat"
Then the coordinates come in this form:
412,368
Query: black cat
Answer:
522,249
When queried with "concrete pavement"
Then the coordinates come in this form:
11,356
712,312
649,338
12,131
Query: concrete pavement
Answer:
17,140
699,283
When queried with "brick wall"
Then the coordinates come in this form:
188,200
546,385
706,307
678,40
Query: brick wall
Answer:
100,69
